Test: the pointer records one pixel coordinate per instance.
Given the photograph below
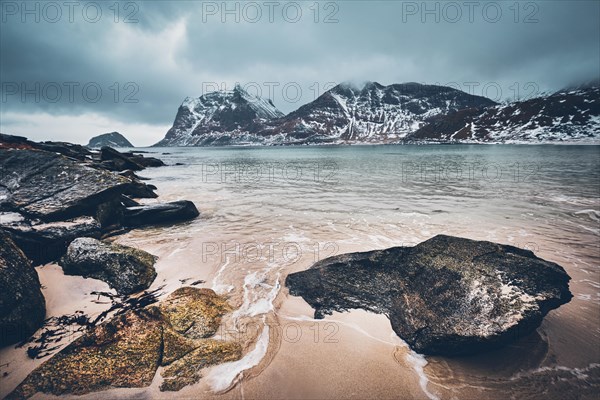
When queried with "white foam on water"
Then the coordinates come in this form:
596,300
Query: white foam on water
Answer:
579,373
418,362
221,288
223,376
256,301
591,283
593,214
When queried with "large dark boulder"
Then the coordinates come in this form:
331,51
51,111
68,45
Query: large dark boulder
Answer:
113,160
126,269
22,305
47,242
52,187
176,211
445,296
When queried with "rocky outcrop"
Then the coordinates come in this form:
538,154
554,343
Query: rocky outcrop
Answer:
22,305
113,160
219,118
152,214
53,187
370,113
445,296
112,139
127,350
46,242
59,189
125,269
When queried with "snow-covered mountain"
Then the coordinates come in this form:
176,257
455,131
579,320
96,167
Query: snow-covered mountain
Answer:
220,118
373,113
370,113
568,115
345,114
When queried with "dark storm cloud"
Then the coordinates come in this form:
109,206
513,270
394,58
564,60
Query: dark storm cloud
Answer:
159,52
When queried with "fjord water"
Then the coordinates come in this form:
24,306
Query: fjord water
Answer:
266,212
270,211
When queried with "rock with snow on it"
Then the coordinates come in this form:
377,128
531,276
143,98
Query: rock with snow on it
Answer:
445,296
218,118
347,113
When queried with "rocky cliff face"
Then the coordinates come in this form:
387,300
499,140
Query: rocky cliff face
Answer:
446,296
219,118
570,115
399,113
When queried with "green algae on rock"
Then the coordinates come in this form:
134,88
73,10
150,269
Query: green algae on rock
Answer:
127,350
195,313
124,352
186,370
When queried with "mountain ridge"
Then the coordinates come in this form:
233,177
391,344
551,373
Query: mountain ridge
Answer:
372,113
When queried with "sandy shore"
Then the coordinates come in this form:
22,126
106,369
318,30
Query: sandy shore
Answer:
346,355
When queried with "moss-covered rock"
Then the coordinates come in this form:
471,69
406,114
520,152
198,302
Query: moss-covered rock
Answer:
186,370
127,350
124,352
124,268
175,345
194,313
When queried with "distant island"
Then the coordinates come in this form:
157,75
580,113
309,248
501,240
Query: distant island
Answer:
112,139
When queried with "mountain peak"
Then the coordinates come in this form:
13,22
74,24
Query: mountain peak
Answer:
204,119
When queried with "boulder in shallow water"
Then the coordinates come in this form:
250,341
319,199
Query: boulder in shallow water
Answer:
445,296
22,305
124,268
152,214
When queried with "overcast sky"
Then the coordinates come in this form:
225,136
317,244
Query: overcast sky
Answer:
146,57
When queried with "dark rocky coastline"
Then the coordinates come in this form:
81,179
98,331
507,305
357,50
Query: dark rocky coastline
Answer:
52,194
